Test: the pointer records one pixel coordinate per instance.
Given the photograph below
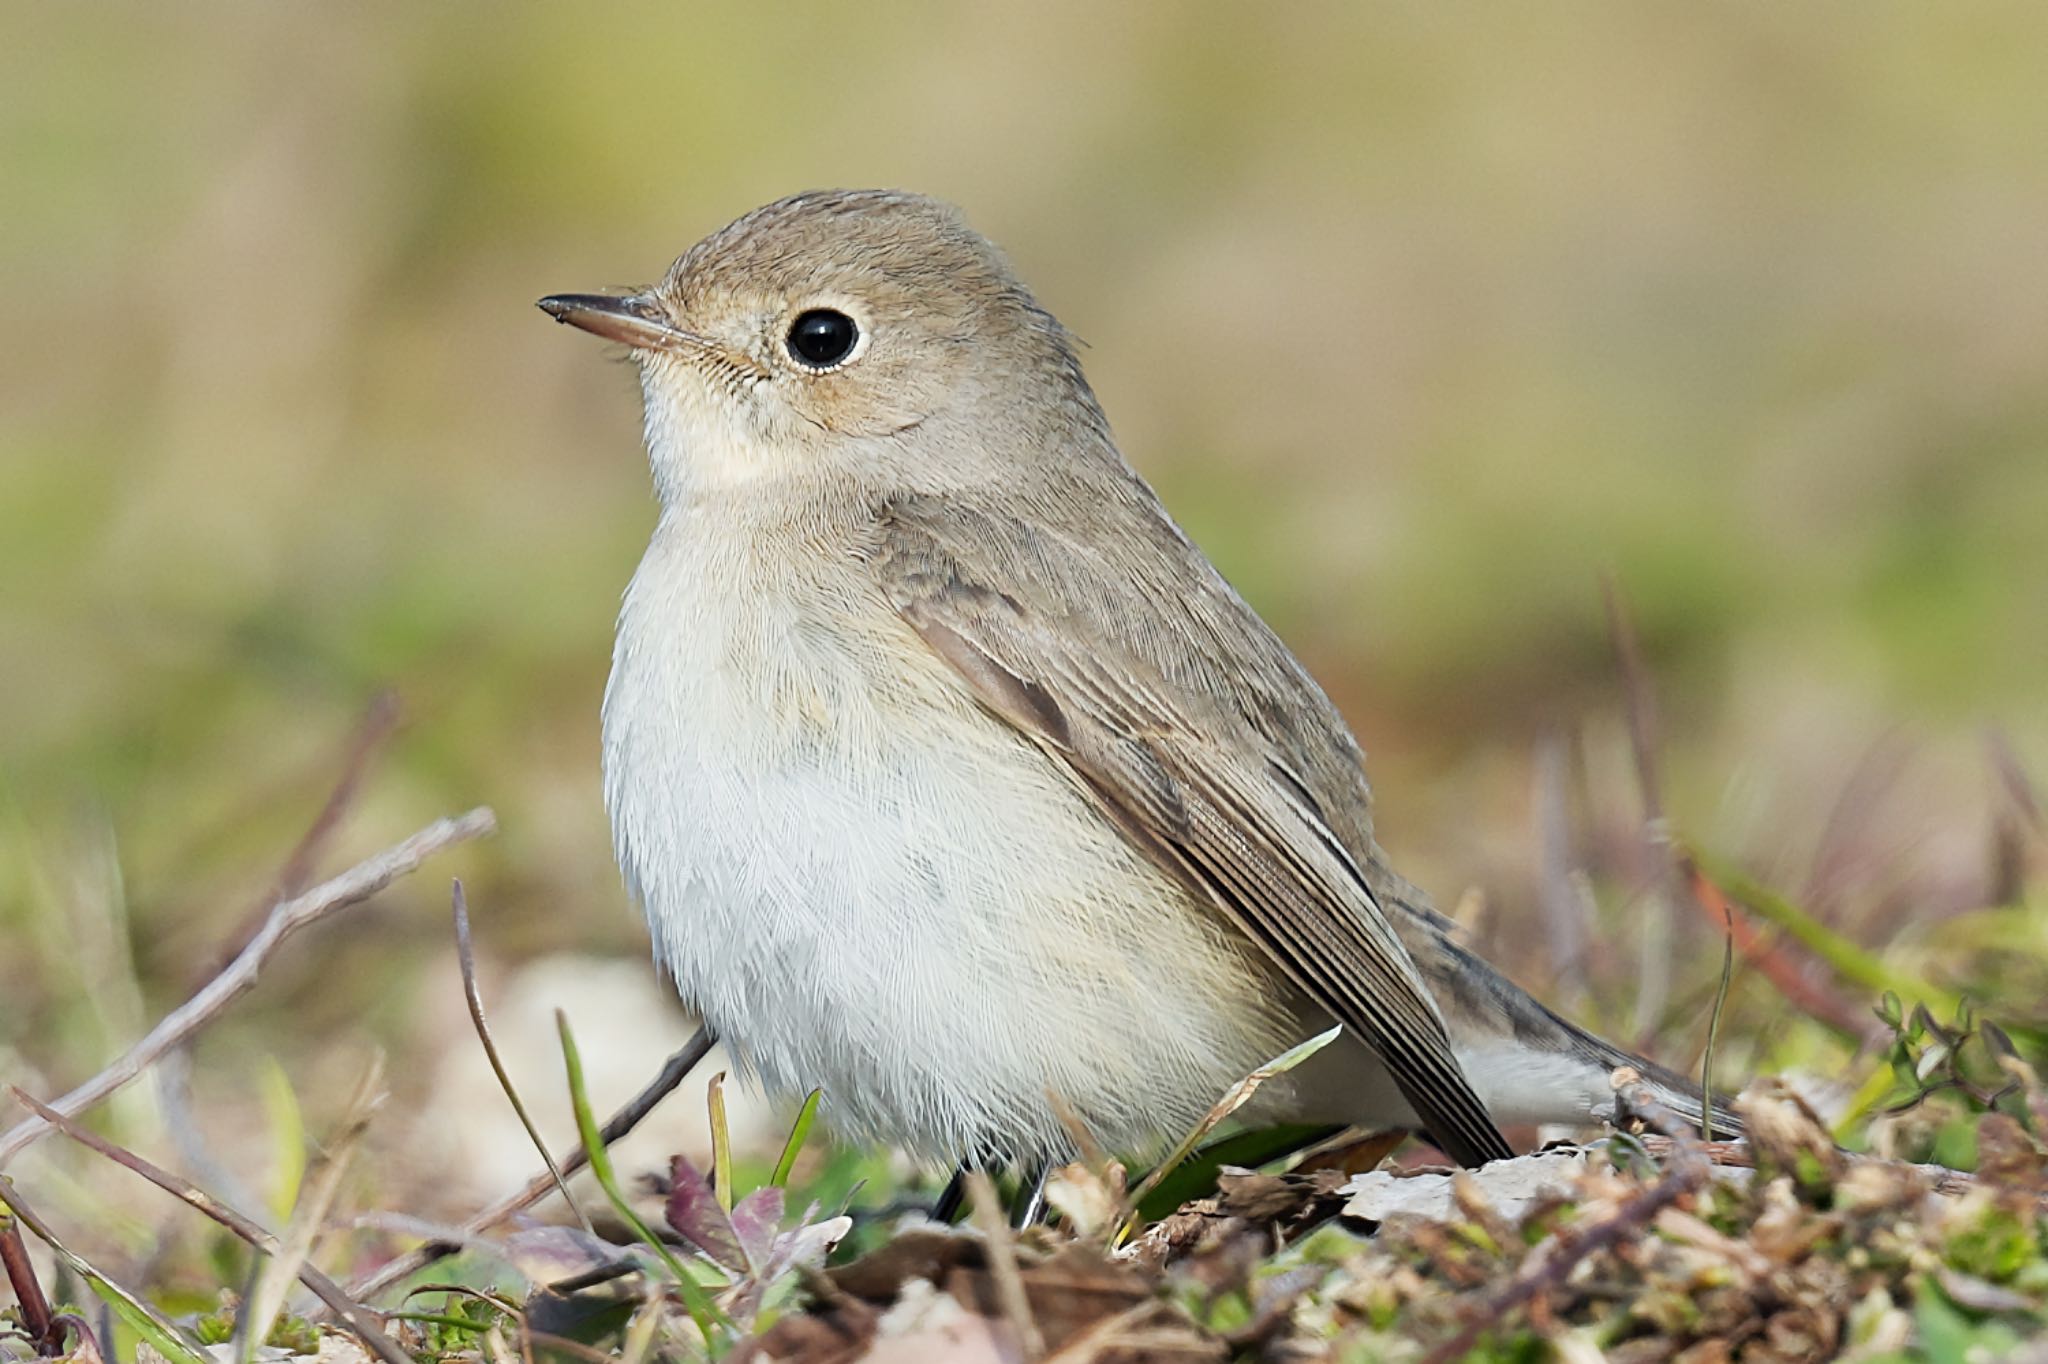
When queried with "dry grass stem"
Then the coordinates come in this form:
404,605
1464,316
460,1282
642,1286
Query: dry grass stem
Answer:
36,1318
136,1307
474,996
673,1072
360,1320
316,1197
1553,1261
352,887
1654,960
1001,1246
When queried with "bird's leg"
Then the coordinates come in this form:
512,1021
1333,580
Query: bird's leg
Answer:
1030,1205
954,1195
1026,1211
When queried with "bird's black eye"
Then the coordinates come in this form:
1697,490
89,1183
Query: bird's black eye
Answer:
822,337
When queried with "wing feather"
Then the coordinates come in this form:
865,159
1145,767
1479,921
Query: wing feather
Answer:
1199,784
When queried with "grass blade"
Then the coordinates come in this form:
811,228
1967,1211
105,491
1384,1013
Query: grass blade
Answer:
1239,1095
360,1321
721,1142
1714,1031
316,1196
696,1300
136,1314
799,1133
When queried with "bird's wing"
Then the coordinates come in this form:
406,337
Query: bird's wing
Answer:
1064,645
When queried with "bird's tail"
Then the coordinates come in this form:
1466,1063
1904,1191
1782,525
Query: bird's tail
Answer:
1485,1004
1473,990
1666,1087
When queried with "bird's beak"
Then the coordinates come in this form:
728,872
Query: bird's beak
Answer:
635,320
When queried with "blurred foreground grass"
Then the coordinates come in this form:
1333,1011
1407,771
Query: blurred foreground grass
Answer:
1420,325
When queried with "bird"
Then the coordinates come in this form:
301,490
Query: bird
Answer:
952,777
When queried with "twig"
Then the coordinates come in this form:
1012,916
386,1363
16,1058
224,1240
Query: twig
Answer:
1641,702
1737,1155
379,721
591,1278
351,887
574,1348
471,993
182,1129
1001,1248
1844,844
377,724
1634,1097
360,1319
405,1224
673,1072
2012,777
36,1318
2016,818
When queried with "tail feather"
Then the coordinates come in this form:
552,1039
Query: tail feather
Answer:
1483,1009
1670,1089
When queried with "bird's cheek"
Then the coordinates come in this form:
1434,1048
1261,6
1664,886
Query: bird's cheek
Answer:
879,405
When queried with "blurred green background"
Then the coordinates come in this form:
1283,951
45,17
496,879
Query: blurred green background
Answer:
1421,319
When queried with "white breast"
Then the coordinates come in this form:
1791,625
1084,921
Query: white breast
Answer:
863,882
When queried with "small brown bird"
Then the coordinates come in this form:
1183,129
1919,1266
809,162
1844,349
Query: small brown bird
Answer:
952,776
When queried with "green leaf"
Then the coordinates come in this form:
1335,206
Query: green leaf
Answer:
1239,1095
287,1126
1946,1332
799,1133
1196,1175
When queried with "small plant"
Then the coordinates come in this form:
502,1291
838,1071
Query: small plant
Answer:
1937,1080
747,1253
